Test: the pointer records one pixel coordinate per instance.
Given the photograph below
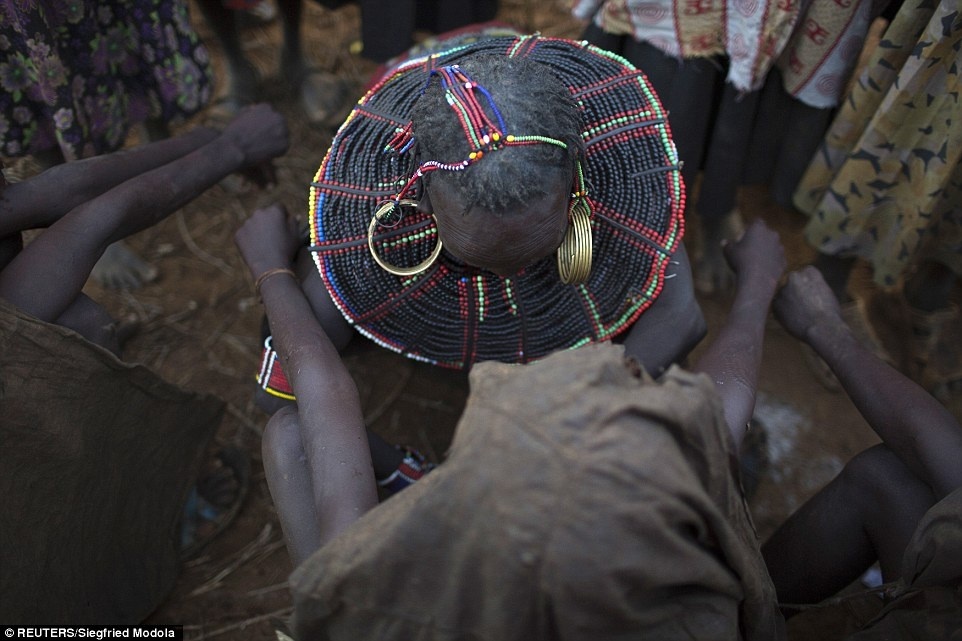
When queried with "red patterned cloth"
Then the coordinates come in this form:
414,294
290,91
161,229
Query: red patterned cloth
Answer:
815,46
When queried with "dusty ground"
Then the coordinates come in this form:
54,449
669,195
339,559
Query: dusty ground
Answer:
201,330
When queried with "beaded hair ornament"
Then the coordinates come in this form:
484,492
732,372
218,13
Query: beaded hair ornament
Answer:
485,134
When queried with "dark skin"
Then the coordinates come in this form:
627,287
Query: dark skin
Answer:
518,239
320,93
316,453
663,334
733,359
870,510
867,513
316,456
87,205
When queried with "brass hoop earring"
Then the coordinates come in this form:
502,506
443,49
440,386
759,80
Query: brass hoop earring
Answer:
382,211
574,254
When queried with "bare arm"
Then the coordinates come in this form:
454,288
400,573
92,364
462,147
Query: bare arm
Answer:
328,406
43,199
672,326
914,425
45,278
735,355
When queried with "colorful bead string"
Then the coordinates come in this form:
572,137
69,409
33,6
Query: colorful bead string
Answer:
484,134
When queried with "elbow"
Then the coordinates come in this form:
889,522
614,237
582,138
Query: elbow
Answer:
314,369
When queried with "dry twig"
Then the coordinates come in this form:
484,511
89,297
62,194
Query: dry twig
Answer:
240,625
254,548
196,250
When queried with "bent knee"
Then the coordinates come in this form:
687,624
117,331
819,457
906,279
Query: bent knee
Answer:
270,404
878,475
282,438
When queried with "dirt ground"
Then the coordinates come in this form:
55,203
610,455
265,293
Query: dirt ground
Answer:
201,324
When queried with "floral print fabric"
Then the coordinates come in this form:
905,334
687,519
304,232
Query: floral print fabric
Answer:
77,74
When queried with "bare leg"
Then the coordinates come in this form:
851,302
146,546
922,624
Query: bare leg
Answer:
289,481
83,316
867,512
292,54
242,76
91,321
732,124
385,457
872,508
933,356
930,288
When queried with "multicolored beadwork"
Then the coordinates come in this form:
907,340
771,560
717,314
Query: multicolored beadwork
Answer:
270,376
453,314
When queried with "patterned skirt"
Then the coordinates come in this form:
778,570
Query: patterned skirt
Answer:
77,75
886,183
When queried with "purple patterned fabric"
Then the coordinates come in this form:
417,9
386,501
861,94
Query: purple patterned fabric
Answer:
77,74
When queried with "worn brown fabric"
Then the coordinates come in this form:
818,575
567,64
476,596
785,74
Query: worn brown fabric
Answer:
924,605
96,459
577,502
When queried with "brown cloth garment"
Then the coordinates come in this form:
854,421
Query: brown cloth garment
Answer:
577,502
96,461
924,605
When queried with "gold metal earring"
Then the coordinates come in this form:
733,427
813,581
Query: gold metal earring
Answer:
383,211
574,254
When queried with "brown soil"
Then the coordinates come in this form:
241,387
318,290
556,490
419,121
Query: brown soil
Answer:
201,328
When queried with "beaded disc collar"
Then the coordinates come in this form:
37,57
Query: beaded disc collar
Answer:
453,314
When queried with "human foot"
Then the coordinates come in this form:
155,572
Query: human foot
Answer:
710,270
215,500
121,268
324,98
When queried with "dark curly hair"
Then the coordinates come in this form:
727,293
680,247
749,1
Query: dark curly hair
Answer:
532,101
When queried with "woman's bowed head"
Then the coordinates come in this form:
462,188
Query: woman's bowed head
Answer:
525,189
499,142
